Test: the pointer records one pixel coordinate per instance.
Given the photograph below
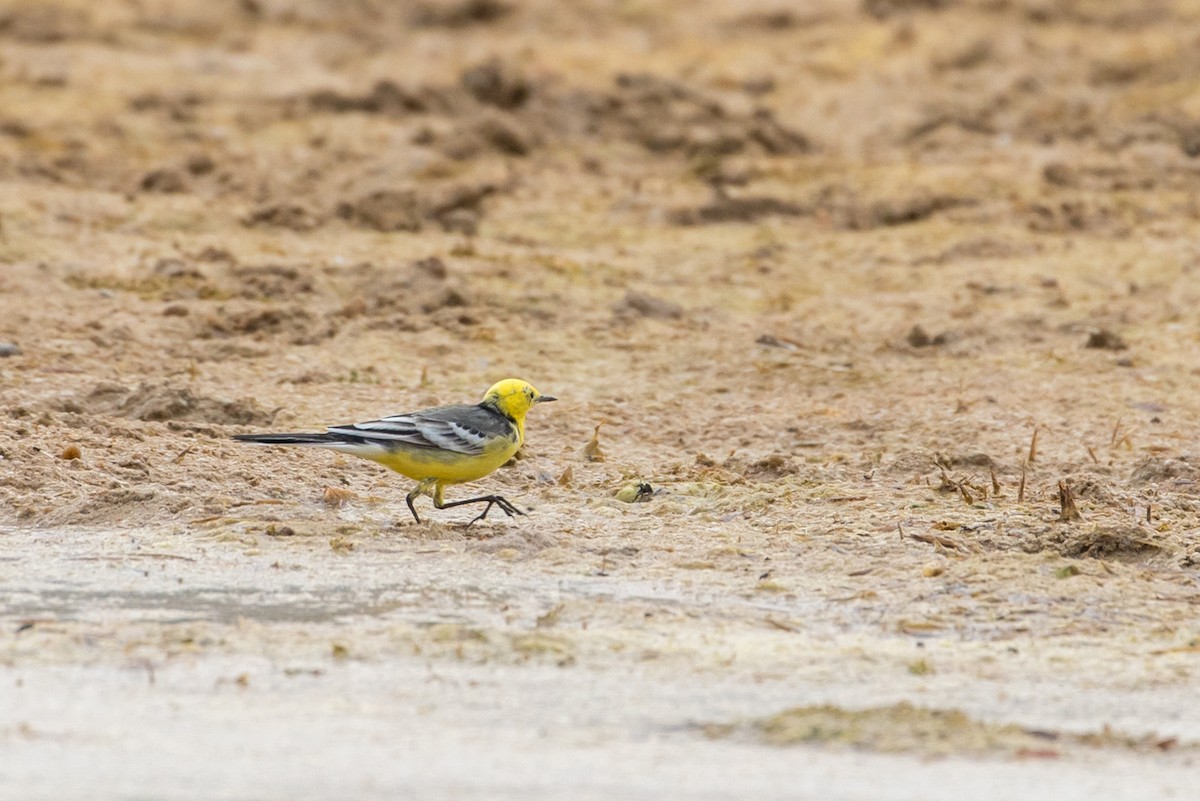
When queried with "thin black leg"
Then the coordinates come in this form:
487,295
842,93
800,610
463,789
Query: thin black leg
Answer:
497,500
412,496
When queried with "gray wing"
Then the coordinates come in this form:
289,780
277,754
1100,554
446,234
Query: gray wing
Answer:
461,429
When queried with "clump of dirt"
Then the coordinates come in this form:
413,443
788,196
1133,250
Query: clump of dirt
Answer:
767,468
459,14
1123,543
727,209
385,97
1097,488
421,287
162,402
272,281
849,209
912,464
164,180
384,210
666,116
110,506
169,278
454,208
500,133
1110,178
1105,340
985,247
459,208
296,323
496,83
38,24
1120,542
1178,471
1092,215
291,216
968,460
919,338
641,304
884,9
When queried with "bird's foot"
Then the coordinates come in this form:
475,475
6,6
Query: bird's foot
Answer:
494,500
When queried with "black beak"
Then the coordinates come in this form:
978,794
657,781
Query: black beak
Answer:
545,399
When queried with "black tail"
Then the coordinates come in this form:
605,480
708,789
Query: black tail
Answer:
286,439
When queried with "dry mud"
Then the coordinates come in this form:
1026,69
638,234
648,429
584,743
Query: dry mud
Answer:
870,294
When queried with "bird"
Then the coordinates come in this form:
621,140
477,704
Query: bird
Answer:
436,447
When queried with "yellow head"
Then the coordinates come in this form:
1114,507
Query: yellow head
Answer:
513,397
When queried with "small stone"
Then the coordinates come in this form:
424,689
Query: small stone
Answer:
496,83
9,349
918,338
200,164
164,180
649,306
1105,340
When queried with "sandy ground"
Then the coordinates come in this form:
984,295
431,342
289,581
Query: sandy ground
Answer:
862,291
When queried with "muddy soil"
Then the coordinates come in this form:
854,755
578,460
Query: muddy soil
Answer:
892,305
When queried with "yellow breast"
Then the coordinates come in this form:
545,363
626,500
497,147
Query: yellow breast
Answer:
448,467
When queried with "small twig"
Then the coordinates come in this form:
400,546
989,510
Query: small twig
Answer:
1127,438
1033,445
995,483
1092,453
966,496
779,624
1021,488
1116,429
947,485
939,541
1066,500
1149,510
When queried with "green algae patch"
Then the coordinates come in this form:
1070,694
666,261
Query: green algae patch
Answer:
900,728
905,728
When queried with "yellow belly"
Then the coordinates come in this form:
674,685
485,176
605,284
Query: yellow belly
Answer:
446,467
